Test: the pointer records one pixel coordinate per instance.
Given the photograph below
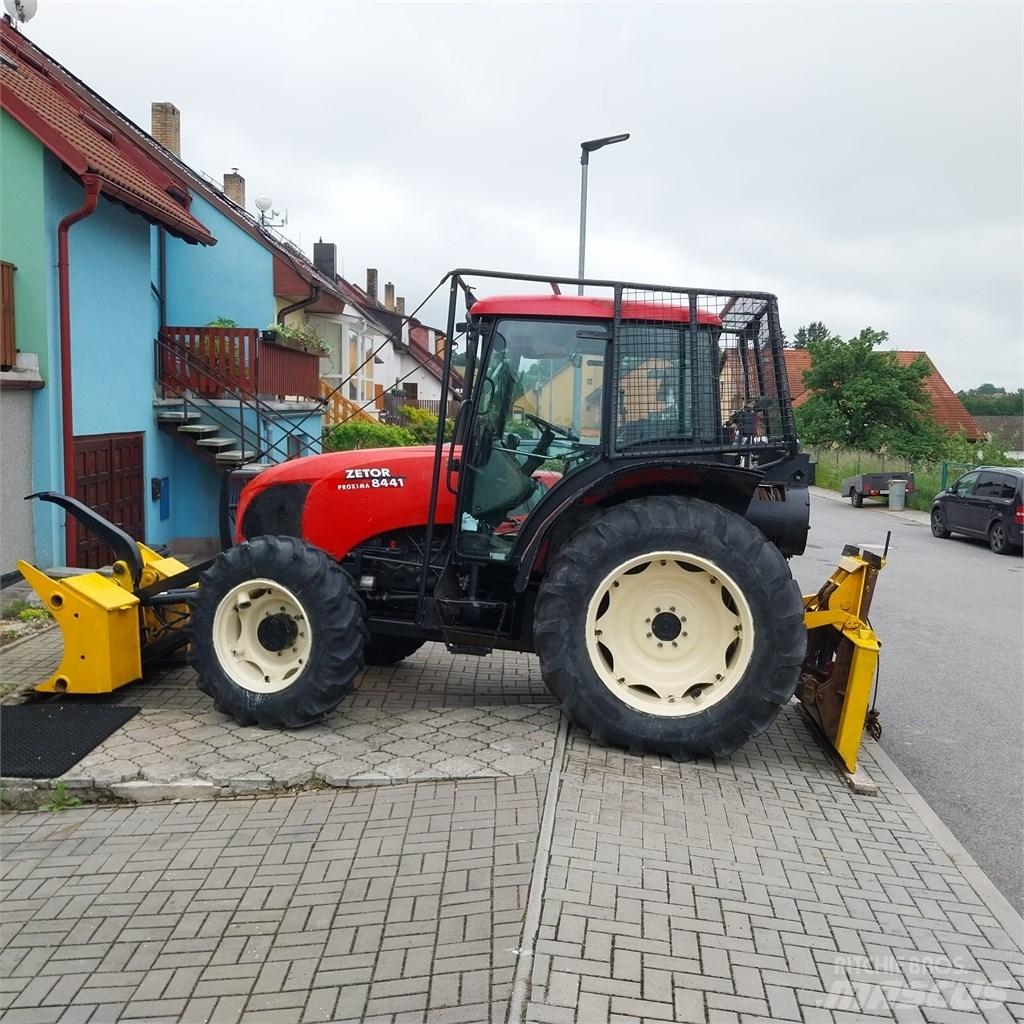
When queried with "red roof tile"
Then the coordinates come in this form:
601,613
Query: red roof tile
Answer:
947,410
31,92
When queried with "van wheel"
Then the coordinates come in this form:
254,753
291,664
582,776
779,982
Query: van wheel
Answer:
999,539
939,525
670,626
277,633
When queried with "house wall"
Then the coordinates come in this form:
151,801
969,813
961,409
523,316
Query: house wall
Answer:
21,243
397,364
233,279
16,535
22,240
112,350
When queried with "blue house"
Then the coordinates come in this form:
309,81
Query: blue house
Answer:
117,258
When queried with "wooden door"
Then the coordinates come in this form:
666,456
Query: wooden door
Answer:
109,478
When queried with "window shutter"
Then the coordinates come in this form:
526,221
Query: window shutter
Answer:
8,348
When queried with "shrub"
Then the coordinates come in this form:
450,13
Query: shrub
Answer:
345,437
422,424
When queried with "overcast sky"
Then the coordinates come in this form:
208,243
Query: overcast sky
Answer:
861,160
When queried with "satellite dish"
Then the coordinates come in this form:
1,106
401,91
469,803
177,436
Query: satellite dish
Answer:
263,201
21,10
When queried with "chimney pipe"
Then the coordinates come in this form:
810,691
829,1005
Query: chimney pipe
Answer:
234,187
371,283
325,258
165,126
400,305
389,295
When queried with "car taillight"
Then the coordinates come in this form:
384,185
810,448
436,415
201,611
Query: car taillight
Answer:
1018,515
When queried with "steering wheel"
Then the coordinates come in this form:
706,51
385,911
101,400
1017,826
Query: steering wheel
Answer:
544,426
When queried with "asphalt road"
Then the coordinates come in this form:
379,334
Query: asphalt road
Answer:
950,615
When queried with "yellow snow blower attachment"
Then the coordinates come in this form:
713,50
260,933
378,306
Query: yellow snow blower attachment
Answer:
112,624
842,653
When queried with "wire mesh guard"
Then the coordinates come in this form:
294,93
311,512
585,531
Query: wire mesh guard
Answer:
697,371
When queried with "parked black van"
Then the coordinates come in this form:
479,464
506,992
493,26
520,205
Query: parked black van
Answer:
987,502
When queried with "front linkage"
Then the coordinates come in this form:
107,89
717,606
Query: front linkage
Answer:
112,625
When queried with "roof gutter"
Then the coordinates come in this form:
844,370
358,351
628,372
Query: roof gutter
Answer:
314,294
92,194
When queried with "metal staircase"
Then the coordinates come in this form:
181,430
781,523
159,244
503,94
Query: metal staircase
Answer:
208,399
211,438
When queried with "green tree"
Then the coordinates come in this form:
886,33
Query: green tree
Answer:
864,399
981,402
815,331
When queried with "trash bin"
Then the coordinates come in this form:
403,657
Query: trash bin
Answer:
897,494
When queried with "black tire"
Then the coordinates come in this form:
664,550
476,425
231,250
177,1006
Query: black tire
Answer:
856,499
999,539
939,525
337,633
382,649
734,547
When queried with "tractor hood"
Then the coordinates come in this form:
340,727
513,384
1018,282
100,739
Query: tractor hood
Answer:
341,499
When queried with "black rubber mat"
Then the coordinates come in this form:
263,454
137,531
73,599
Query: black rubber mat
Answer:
42,741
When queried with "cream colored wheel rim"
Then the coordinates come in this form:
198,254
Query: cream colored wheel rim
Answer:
261,636
669,633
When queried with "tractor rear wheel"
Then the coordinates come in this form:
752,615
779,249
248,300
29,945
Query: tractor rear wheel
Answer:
384,650
277,633
670,626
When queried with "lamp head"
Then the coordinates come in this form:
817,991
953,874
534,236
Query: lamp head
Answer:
595,144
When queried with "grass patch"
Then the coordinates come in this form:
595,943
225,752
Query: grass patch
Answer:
59,799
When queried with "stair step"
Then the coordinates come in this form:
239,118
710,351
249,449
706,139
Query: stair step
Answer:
198,428
178,417
161,402
215,442
235,456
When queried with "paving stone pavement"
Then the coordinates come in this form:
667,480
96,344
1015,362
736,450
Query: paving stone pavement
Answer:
434,716
751,889
383,904
760,889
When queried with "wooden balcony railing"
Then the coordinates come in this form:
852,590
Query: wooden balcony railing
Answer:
216,362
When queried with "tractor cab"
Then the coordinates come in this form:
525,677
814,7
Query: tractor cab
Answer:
543,398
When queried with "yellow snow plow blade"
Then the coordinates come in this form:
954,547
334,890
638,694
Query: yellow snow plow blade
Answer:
842,653
105,625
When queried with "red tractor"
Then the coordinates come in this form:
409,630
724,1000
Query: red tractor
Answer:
597,506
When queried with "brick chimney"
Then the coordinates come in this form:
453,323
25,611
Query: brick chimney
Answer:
165,126
389,296
371,283
438,344
234,187
400,305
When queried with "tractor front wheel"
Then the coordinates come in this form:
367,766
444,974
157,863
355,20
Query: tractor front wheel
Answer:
277,633
670,626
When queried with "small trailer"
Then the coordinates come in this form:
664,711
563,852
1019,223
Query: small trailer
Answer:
872,485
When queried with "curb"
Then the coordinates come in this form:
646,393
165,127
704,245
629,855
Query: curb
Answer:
999,906
909,515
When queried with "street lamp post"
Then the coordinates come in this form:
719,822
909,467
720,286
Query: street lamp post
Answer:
588,148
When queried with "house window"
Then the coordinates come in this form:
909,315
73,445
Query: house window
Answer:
8,348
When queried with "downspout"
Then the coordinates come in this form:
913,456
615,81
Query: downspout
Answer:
92,195
301,304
